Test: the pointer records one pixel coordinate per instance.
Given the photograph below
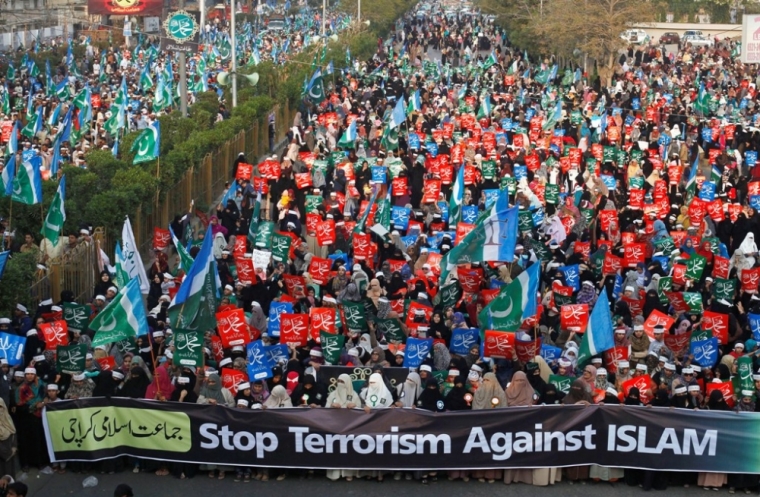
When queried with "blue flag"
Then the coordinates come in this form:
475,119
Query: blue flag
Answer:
3,261
416,351
463,339
705,352
257,362
572,276
275,309
12,348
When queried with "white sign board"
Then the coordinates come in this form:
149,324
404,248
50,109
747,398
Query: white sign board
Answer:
751,39
152,24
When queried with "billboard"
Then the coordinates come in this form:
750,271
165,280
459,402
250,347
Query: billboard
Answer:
751,39
125,7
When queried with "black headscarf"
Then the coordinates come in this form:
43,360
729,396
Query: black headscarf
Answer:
454,400
716,402
135,388
431,399
551,395
633,398
106,385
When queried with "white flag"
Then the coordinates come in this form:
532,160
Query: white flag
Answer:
133,264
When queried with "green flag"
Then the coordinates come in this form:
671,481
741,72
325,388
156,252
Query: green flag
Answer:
27,184
124,317
332,346
185,259
77,316
354,316
146,146
281,247
198,312
253,227
561,382
389,140
56,215
70,359
264,235
391,328
188,348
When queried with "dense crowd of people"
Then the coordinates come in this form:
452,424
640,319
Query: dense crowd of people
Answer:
644,190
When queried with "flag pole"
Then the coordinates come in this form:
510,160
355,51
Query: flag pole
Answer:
155,369
158,176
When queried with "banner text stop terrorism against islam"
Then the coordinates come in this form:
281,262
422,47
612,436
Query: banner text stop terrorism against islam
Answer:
404,439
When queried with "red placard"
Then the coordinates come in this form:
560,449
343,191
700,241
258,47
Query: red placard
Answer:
611,264
717,324
412,321
399,186
462,230
161,238
657,318
241,246
645,385
260,185
678,344
244,171
636,198
636,305
246,272
470,279
499,344
613,356
319,270
217,348
326,232
295,285
6,127
527,350
607,216
107,363
574,317
362,243
726,388
303,180
634,253
294,329
232,327
750,279
432,188
55,334
322,319
270,169
231,378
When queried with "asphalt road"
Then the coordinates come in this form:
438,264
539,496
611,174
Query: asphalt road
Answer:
149,485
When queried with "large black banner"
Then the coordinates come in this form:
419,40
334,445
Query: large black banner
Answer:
546,436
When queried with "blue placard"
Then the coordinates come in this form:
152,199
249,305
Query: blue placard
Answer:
444,211
707,134
538,217
12,348
414,141
572,276
754,202
506,124
754,325
635,103
707,192
416,351
275,309
469,214
705,352
520,172
257,362
378,174
277,354
609,181
750,158
432,148
408,241
463,339
550,353
400,217
491,196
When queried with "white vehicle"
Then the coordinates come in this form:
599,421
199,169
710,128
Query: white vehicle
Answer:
635,36
693,32
696,40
